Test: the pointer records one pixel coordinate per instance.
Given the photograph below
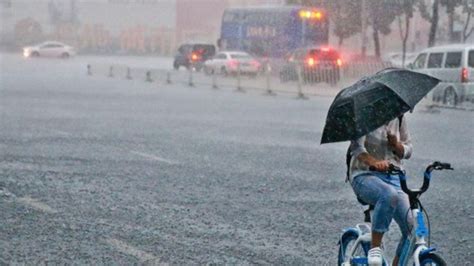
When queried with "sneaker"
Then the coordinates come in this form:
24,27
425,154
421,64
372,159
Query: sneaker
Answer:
375,257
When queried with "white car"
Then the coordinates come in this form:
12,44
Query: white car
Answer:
454,66
396,59
49,49
231,63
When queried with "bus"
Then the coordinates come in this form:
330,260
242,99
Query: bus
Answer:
273,31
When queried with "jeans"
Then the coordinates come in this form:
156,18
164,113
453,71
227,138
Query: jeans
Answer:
390,202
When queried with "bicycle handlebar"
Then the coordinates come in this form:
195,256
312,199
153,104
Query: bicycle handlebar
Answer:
395,170
439,166
426,177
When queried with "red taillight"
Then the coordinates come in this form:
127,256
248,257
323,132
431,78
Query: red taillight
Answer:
464,75
255,63
233,63
339,62
195,57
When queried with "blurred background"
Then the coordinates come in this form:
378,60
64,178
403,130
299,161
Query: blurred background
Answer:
374,28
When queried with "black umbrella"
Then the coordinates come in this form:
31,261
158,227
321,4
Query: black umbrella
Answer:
373,101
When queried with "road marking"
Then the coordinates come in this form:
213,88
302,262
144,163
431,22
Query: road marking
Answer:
60,132
463,108
35,204
142,256
153,157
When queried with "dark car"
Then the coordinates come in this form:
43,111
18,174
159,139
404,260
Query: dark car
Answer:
193,55
317,64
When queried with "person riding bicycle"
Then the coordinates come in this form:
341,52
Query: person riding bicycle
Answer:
370,158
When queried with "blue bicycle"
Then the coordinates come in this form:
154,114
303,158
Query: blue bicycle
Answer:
354,243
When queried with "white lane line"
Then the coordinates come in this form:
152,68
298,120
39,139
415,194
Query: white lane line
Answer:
35,204
60,132
153,157
142,256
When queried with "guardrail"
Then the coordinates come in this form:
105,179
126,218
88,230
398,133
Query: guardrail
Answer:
264,81
270,82
359,69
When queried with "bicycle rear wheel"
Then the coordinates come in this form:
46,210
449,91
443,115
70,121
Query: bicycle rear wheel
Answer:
431,259
346,244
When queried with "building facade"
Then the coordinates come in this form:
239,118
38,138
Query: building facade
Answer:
118,26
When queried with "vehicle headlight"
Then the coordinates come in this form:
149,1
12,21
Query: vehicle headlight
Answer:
26,52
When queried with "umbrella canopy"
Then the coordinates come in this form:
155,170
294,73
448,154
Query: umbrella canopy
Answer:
373,101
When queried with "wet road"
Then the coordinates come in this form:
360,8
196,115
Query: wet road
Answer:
110,171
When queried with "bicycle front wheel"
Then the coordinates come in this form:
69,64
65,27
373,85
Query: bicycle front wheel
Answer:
431,259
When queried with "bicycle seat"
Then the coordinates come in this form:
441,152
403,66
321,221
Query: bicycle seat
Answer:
367,218
366,212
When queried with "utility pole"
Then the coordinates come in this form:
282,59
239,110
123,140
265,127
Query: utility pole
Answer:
6,32
414,35
363,17
73,12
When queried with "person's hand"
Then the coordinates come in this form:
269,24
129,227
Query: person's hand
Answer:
380,166
392,141
395,145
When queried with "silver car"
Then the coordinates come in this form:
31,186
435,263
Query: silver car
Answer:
454,66
49,49
232,63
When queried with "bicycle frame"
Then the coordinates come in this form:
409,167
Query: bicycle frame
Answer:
416,240
419,228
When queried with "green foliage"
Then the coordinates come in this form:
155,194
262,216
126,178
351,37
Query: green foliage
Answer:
451,4
345,16
468,9
382,14
424,9
468,6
